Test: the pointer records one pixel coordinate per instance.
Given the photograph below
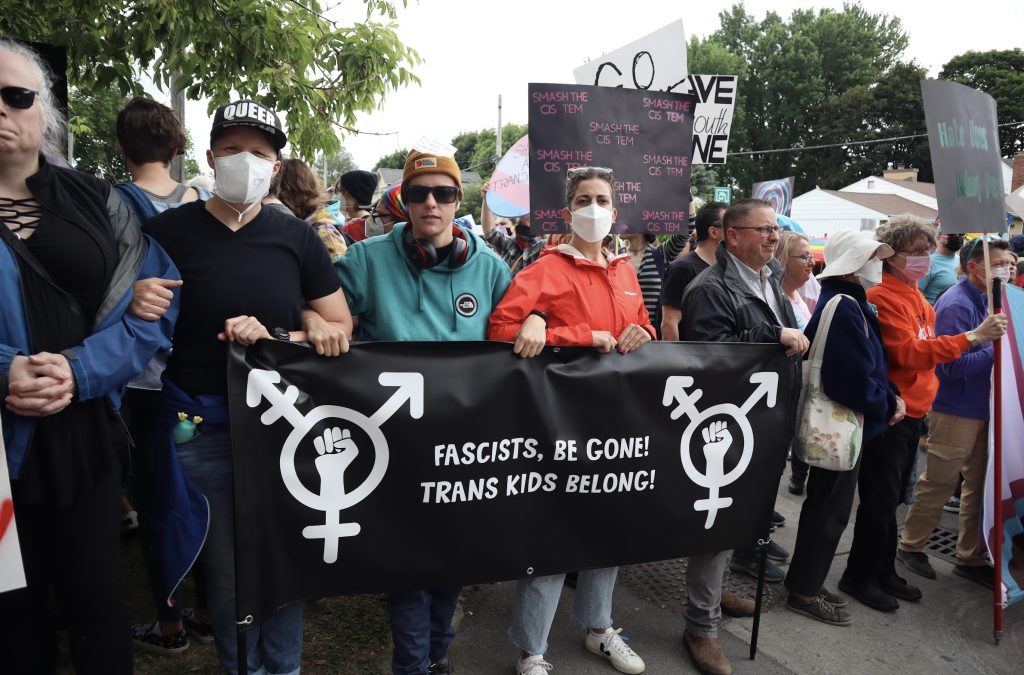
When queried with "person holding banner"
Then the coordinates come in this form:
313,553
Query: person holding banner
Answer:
739,299
577,294
854,373
427,280
958,425
249,274
914,350
69,342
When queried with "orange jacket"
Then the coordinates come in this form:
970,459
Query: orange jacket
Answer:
578,295
908,333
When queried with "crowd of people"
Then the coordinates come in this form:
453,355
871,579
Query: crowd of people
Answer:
126,298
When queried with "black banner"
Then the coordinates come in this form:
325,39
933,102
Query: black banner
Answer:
644,136
421,465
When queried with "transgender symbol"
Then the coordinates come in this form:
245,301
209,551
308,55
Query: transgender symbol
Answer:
335,447
716,435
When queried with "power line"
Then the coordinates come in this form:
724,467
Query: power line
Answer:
841,145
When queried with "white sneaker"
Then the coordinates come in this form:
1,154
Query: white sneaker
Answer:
533,665
609,645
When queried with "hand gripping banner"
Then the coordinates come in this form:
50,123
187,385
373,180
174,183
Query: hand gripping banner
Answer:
424,465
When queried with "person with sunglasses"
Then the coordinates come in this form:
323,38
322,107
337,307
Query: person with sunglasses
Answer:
70,255
738,299
428,279
577,294
887,461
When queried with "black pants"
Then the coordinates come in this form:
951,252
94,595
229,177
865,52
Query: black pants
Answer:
884,465
76,551
823,519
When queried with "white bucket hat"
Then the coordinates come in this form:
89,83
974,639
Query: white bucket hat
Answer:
847,251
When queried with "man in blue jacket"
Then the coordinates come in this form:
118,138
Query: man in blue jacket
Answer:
958,427
428,279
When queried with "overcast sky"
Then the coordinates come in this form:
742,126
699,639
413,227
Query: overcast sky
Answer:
472,55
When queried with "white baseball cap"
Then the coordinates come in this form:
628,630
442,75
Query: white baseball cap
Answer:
846,252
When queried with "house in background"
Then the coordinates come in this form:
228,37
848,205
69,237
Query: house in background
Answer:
871,201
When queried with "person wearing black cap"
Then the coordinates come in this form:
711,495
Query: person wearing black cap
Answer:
357,188
247,271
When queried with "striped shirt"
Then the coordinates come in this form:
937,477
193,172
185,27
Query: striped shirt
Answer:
651,277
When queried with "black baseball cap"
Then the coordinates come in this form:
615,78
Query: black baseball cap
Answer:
249,114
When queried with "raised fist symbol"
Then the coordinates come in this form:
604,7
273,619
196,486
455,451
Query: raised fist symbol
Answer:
717,440
337,450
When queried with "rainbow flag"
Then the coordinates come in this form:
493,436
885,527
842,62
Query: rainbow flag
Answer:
1011,411
818,248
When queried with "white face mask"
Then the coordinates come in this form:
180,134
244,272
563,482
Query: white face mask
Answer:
592,223
1001,273
374,226
243,178
870,273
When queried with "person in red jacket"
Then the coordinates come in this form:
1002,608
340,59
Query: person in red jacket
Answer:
576,294
887,461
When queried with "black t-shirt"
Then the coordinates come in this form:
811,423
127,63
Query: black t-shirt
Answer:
268,269
680,273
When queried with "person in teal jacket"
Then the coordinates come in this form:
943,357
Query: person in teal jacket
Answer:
427,280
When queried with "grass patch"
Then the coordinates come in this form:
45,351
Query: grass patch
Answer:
344,635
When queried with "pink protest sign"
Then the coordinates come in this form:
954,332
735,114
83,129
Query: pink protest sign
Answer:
509,192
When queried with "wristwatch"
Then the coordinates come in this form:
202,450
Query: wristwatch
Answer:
972,339
281,334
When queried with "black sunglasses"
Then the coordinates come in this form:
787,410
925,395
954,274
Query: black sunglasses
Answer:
18,97
417,194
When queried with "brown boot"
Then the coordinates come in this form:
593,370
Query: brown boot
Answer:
707,655
736,606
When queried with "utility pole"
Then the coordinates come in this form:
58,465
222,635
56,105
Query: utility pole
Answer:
178,106
497,151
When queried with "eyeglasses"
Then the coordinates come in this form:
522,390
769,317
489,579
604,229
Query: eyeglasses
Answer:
808,259
598,171
417,194
18,97
765,230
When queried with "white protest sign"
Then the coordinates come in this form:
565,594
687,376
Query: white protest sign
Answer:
657,62
12,572
434,146
712,120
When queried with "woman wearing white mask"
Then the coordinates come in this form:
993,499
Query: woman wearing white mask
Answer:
887,461
248,273
577,294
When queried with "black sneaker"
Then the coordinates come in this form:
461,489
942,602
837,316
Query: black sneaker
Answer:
772,573
952,505
778,519
979,574
819,608
917,562
870,595
202,631
897,587
776,552
441,667
834,599
149,638
796,486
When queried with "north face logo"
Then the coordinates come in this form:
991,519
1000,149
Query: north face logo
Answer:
466,304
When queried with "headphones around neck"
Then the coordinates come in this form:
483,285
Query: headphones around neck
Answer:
423,254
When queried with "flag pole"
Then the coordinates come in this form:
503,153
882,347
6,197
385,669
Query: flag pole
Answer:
997,469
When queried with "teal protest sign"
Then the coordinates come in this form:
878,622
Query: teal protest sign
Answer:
963,137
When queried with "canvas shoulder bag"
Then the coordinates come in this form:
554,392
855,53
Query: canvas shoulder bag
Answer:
829,434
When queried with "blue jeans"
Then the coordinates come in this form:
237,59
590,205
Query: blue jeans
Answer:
421,627
274,646
537,600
